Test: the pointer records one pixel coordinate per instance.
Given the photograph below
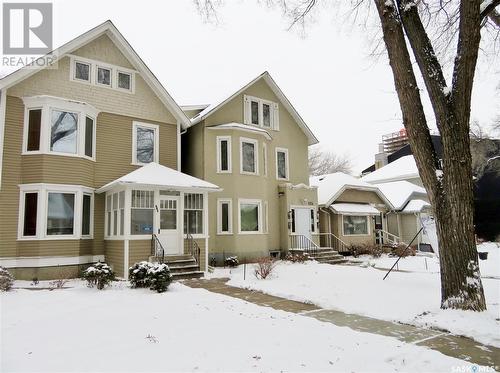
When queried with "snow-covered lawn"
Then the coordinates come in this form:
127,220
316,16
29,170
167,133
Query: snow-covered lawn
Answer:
121,329
409,297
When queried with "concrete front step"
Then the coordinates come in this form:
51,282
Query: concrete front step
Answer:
186,268
187,275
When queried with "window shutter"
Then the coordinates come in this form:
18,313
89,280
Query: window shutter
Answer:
276,117
246,109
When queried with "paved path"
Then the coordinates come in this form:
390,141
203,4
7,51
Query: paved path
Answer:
448,344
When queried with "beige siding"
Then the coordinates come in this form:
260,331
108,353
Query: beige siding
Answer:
392,224
139,250
408,227
114,256
56,82
359,196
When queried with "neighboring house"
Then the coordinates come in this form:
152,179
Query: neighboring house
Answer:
254,145
90,164
351,211
401,169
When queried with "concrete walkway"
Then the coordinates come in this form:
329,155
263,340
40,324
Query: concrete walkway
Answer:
448,344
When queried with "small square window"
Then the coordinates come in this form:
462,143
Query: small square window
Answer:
82,71
104,76
124,81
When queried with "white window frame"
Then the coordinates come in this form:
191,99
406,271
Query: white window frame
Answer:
274,112
48,104
204,223
94,64
258,202
73,71
156,150
287,168
368,225
43,191
219,154
111,77
256,155
220,202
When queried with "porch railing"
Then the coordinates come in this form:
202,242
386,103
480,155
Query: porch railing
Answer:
386,237
332,241
157,249
303,243
192,248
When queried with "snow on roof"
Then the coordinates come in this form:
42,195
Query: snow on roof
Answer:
402,168
243,127
354,209
331,185
154,174
399,192
416,205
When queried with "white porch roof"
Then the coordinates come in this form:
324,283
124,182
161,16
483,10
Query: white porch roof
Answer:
156,175
416,205
354,209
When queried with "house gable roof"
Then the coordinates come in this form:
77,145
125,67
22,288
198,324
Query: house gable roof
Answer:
209,110
399,193
112,32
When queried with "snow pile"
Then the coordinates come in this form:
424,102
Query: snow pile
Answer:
403,296
187,330
400,192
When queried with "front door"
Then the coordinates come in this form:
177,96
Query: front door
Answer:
169,224
303,221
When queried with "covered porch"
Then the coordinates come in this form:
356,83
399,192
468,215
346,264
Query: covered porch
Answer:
155,213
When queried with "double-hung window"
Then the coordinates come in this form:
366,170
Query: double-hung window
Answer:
145,143
260,112
250,216
224,216
193,213
249,156
224,154
282,164
58,126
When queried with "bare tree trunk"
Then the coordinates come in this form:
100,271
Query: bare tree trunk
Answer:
452,195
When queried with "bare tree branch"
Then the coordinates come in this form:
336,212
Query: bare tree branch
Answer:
322,163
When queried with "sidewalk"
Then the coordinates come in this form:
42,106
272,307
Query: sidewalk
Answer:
448,344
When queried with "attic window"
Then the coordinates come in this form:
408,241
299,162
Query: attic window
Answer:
260,112
124,80
82,71
104,76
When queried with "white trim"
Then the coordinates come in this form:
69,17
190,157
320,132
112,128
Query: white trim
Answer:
229,170
43,191
279,94
3,100
220,202
72,70
131,75
156,149
256,155
205,218
48,261
109,29
257,202
254,130
287,167
194,107
368,225
273,112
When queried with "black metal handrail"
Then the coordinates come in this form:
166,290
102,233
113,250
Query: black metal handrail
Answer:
157,249
192,248
302,243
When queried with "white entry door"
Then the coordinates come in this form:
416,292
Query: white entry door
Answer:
303,221
169,233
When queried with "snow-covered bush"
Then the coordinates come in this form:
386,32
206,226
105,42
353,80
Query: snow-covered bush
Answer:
231,261
159,277
264,267
297,258
365,249
99,275
138,274
6,280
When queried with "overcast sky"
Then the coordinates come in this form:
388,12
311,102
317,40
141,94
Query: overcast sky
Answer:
346,97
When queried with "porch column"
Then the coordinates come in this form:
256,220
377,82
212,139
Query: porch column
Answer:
205,219
398,217
126,233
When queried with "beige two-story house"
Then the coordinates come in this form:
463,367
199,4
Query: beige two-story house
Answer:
254,145
90,165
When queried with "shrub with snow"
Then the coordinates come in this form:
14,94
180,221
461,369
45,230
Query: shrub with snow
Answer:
159,277
231,261
6,280
99,275
264,267
400,251
138,274
297,258
365,249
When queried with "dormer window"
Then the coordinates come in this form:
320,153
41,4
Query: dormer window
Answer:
260,112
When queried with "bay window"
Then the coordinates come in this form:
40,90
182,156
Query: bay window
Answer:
355,225
58,126
248,156
51,211
193,213
249,216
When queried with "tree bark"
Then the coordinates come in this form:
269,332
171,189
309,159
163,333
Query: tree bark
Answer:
451,195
